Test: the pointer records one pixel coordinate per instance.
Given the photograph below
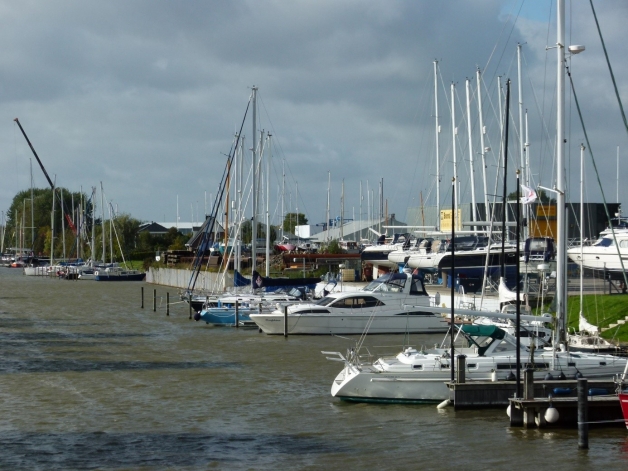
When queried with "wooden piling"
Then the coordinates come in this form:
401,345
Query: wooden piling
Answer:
154,300
528,384
237,314
583,426
190,306
167,303
285,321
461,368
142,297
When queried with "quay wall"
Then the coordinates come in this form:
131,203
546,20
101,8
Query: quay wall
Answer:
206,281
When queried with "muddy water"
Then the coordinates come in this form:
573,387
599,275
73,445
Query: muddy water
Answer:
89,380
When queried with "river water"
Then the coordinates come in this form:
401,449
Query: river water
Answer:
89,380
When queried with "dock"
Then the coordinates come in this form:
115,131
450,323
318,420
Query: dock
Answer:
559,403
487,394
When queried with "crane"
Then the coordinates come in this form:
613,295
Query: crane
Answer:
65,211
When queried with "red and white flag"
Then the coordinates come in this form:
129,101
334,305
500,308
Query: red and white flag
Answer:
529,195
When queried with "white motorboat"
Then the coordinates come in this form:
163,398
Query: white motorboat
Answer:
394,303
420,375
603,254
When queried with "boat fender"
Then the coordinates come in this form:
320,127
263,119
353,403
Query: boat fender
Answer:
508,409
562,376
578,375
551,414
197,316
444,404
561,391
597,391
549,377
511,377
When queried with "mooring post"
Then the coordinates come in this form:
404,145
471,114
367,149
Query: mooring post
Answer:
460,369
190,306
583,416
167,303
142,297
285,321
154,300
528,384
237,314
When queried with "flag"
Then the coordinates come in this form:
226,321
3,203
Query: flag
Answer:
529,195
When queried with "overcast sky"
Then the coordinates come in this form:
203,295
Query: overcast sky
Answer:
145,96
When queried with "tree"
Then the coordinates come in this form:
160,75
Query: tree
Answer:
291,220
247,235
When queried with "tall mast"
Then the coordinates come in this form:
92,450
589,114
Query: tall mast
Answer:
33,205
102,223
581,223
524,169
453,140
328,191
270,154
283,197
254,188
437,145
342,209
93,246
63,225
473,205
561,253
482,148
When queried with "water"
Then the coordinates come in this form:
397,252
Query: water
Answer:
88,380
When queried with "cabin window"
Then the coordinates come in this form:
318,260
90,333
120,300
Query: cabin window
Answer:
343,303
623,244
503,346
325,301
472,365
604,242
571,364
417,367
417,286
602,363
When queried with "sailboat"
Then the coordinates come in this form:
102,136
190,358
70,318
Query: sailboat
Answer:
419,376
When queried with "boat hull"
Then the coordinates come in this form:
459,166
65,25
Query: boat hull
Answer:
351,324
372,384
133,277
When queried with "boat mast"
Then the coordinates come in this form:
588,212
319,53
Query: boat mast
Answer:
93,247
254,188
482,148
524,169
52,227
63,225
102,223
438,176
33,205
328,191
505,194
342,210
270,153
561,253
453,140
582,148
473,205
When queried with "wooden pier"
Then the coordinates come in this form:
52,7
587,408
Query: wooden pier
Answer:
486,394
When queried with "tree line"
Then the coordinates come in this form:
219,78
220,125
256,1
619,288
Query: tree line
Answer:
30,221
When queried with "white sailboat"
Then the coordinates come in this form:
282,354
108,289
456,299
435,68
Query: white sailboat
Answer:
418,376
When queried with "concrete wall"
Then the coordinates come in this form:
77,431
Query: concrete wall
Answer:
181,278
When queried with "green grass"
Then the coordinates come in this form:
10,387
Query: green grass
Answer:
600,310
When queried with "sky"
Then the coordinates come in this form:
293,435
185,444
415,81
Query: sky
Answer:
146,96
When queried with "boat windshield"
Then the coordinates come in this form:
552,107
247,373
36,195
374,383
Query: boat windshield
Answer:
390,282
325,301
604,242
